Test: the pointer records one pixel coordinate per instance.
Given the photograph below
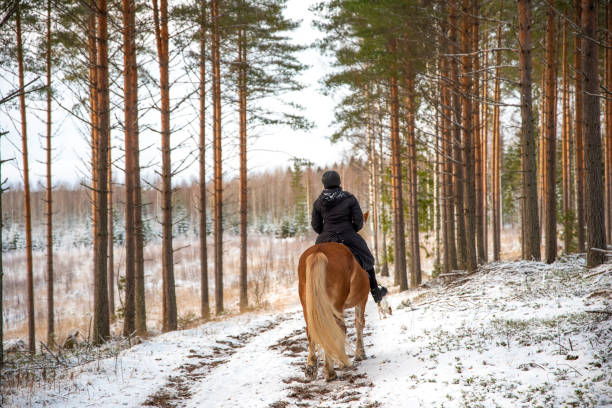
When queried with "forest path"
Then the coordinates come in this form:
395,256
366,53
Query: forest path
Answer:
263,365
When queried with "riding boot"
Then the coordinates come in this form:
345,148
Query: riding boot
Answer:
378,292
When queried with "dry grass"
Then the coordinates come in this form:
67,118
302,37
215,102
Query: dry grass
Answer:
272,266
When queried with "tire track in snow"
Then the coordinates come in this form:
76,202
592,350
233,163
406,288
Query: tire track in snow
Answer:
350,388
178,387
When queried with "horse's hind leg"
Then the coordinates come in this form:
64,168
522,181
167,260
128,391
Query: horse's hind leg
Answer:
359,324
311,361
328,369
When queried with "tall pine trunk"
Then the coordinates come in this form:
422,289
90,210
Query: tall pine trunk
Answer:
565,148
131,126
217,154
399,244
448,199
469,193
101,325
111,237
457,146
242,100
578,127
26,190
139,295
531,226
169,296
49,194
608,116
594,209
204,304
476,139
496,155
415,250
550,138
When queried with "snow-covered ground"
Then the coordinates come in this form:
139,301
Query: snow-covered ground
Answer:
514,334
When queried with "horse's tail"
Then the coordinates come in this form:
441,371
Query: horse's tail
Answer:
322,318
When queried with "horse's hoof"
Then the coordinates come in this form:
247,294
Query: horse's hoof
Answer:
330,376
360,356
311,372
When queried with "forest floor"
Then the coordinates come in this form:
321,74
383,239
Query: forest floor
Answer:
512,334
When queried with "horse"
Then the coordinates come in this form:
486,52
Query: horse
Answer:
331,280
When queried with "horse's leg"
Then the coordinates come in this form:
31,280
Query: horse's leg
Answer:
328,369
359,323
311,361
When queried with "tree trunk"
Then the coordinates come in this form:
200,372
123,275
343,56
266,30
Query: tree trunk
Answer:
565,148
139,295
596,234
169,301
1,268
204,305
550,137
415,250
131,127
49,195
608,116
496,156
218,170
579,129
478,147
528,166
458,165
111,238
383,193
469,193
399,244
484,160
243,168
101,329
450,250
26,189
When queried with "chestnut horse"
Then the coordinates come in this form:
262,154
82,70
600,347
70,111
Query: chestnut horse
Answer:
331,280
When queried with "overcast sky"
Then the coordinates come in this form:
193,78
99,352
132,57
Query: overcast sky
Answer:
273,147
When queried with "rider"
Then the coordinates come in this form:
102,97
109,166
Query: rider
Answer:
336,217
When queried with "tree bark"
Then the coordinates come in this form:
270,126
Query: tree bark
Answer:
596,234
578,126
49,194
550,137
476,139
457,146
204,304
531,224
565,148
217,152
469,193
415,250
242,101
169,295
496,156
448,200
131,126
399,245
101,329
608,116
26,190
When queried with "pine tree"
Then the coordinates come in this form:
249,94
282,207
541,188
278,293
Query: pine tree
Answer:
531,226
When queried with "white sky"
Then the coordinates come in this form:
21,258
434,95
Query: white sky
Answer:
273,147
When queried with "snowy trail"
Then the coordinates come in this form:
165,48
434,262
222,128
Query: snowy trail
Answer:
515,334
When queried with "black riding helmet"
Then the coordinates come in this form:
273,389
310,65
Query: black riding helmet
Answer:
331,179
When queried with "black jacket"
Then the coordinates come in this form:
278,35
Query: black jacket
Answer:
336,217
